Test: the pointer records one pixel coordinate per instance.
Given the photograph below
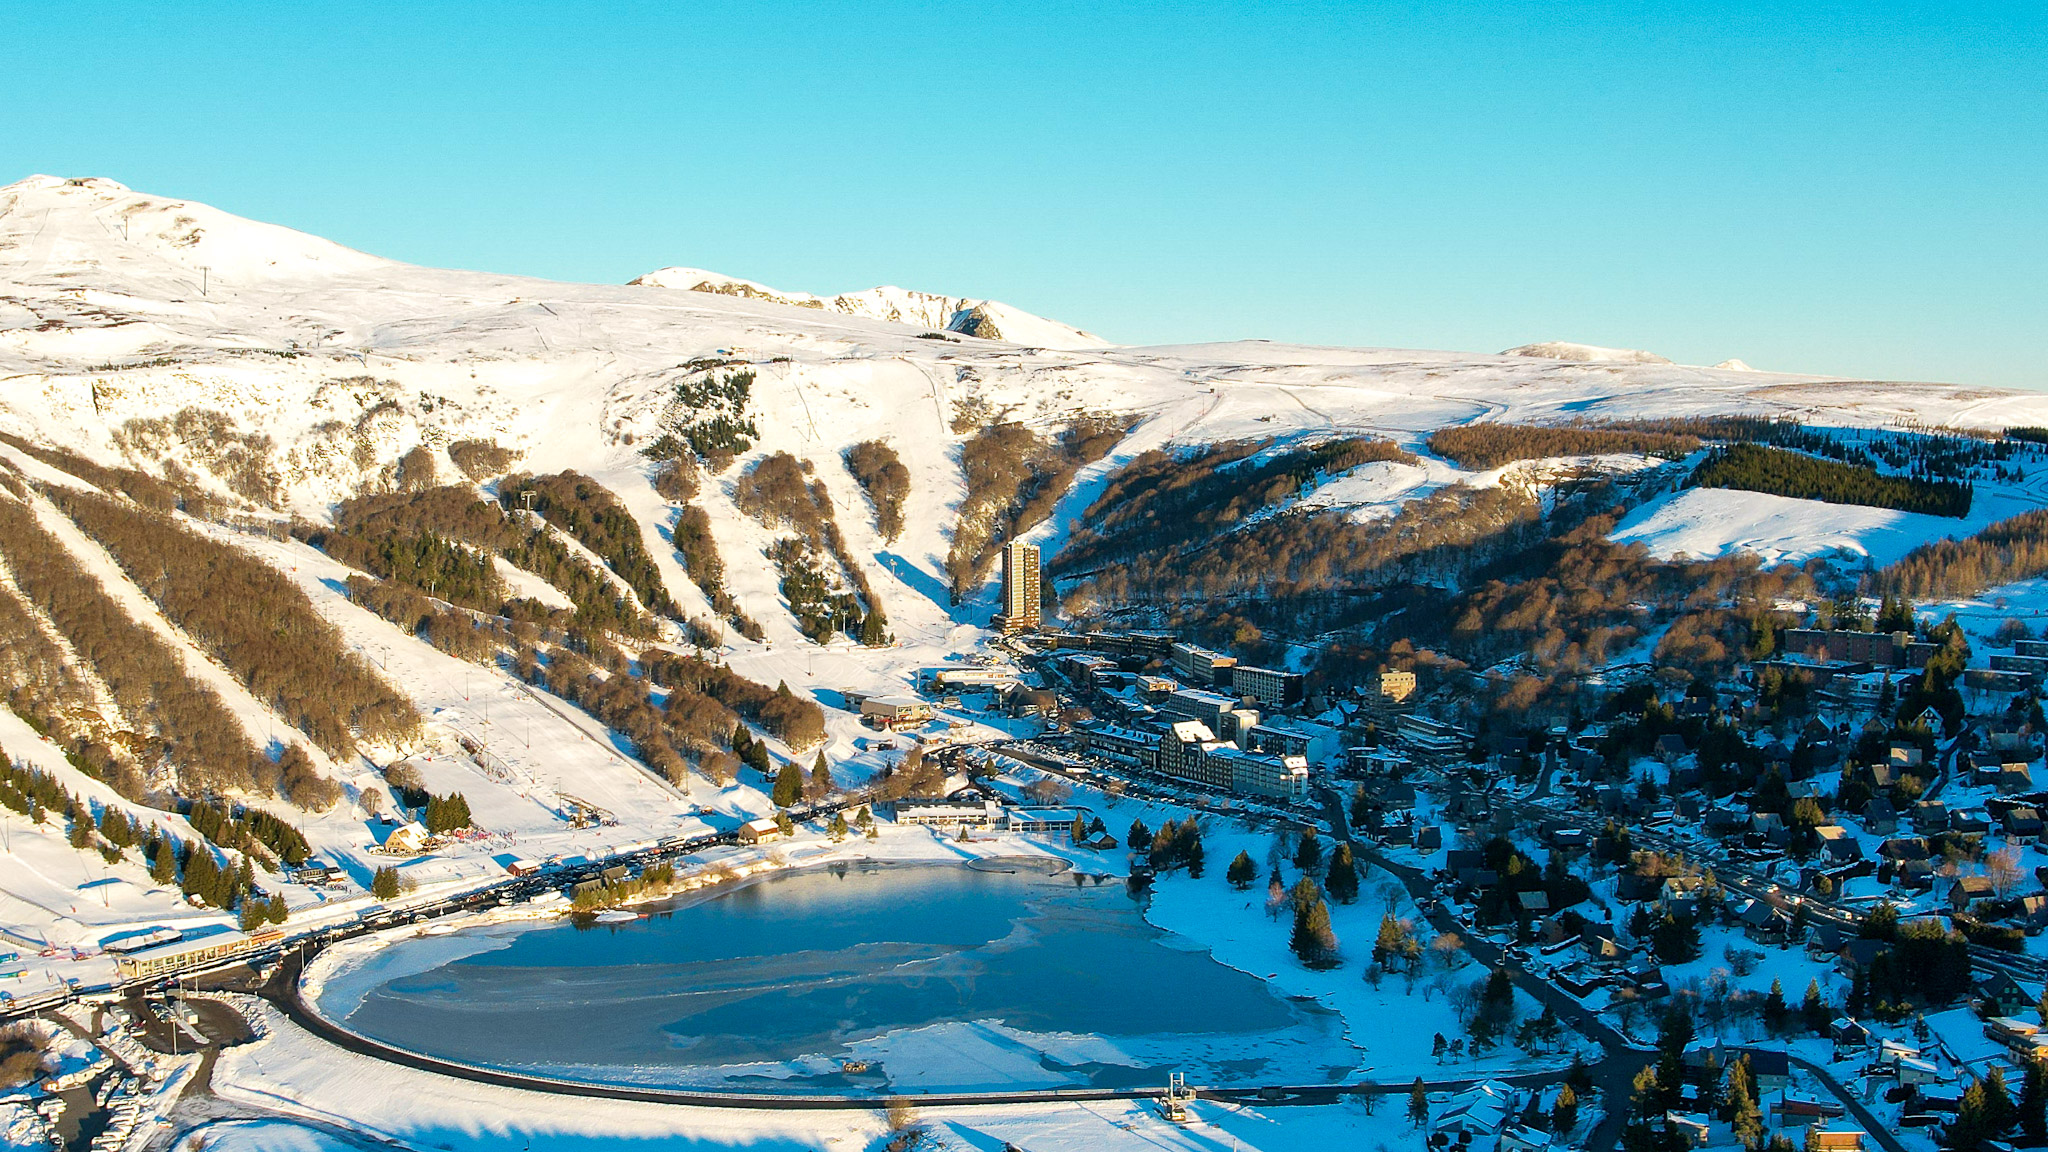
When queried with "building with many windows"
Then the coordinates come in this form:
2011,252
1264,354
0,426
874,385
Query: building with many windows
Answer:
1269,686
1021,594
1203,667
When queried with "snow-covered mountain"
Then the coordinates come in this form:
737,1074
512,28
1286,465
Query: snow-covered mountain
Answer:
986,319
163,334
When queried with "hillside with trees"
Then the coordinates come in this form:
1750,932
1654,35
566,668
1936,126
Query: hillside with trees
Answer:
176,721
1164,500
1782,472
1483,446
2012,549
1014,478
827,589
252,619
590,514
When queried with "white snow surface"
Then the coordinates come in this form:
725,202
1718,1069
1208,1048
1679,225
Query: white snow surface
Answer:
1593,353
896,305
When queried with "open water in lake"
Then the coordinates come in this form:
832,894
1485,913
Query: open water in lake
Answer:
936,977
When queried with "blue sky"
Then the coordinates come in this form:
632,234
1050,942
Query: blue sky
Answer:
1858,189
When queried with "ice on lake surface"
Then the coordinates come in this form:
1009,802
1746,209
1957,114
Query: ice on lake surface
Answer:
936,978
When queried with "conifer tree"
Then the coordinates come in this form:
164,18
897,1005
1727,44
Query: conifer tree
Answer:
1564,1111
789,785
1139,838
1342,880
1813,1009
1308,853
1242,871
821,776
384,885
1418,1104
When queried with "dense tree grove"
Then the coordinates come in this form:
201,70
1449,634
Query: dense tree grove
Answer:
45,689
795,720
1483,446
779,492
183,722
587,511
251,618
481,459
436,541
699,552
1014,478
677,481
1754,468
886,481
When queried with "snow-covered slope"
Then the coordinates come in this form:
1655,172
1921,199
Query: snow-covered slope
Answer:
1565,350
987,319
159,333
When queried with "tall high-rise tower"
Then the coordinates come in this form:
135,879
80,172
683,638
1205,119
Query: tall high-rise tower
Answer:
1020,588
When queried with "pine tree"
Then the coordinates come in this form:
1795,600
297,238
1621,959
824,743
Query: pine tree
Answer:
1313,940
163,867
874,631
789,785
1814,1009
1744,1117
1309,852
279,912
1418,1104
837,829
1078,832
1342,879
1775,1011
1242,871
821,776
1139,838
1579,1077
1999,1112
384,885
1564,1112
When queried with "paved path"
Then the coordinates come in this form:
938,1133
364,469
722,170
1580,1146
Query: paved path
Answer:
1876,1128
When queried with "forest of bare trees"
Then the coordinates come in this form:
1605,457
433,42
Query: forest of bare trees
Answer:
780,492
886,481
1438,538
1162,501
481,459
252,619
2012,549
1014,478
178,720
439,541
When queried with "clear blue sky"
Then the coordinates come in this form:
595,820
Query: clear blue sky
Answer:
1859,188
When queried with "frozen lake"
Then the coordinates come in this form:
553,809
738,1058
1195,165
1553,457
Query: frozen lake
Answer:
936,978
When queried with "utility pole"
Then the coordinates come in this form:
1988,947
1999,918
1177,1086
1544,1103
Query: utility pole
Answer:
203,270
